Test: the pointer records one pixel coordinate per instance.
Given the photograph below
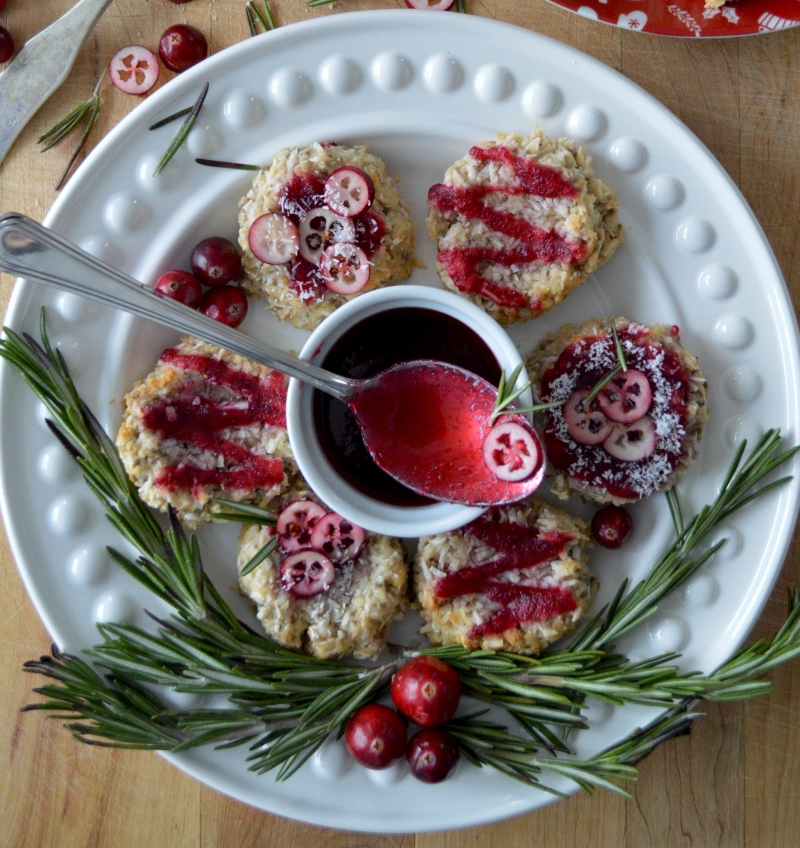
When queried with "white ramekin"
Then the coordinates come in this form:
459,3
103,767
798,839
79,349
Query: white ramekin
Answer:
338,494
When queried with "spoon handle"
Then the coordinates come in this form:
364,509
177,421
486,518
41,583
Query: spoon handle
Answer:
30,250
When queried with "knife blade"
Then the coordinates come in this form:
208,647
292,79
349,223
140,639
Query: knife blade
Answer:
41,65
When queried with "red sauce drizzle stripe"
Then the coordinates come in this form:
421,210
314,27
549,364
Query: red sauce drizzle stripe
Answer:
196,420
536,243
516,546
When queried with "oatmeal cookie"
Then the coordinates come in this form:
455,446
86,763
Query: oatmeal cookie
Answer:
334,599
206,423
642,430
520,223
293,190
513,580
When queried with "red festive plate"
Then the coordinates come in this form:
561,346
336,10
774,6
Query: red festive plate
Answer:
690,18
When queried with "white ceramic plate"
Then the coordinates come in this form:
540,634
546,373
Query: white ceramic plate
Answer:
420,89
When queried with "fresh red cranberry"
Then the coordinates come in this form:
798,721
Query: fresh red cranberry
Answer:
181,286
432,754
611,526
216,262
6,44
427,691
182,46
376,736
228,305
2,5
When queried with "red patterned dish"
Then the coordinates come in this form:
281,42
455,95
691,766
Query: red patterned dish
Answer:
690,18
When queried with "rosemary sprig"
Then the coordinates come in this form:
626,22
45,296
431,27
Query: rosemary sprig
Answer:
461,6
220,163
184,130
507,394
68,123
247,514
311,4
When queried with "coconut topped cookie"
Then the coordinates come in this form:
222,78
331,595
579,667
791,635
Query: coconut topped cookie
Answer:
520,223
329,587
515,579
204,424
321,224
641,431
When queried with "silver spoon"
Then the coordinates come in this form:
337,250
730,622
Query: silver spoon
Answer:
27,249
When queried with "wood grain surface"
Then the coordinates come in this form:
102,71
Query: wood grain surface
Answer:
733,782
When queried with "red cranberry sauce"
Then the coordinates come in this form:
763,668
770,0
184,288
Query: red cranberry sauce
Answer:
299,196
198,417
516,547
373,345
535,244
581,365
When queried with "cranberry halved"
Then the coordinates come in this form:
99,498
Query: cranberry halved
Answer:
585,425
321,228
345,268
339,538
307,573
511,451
349,191
632,442
273,239
134,69
627,397
295,523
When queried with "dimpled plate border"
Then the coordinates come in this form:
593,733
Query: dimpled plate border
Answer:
420,90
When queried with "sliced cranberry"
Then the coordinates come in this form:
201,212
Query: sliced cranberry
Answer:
227,305
295,523
432,755
585,426
273,239
300,195
345,268
511,451
349,191
321,228
181,286
339,538
611,526
440,6
376,736
427,691
307,573
134,69
370,230
182,47
627,397
216,262
632,442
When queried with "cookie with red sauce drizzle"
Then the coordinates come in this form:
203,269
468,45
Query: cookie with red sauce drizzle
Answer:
204,424
520,223
513,580
575,359
348,618
293,186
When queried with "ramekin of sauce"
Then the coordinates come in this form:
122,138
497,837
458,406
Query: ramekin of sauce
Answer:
365,336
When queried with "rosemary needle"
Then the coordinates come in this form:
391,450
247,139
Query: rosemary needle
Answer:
266,19
170,118
623,363
180,136
221,163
